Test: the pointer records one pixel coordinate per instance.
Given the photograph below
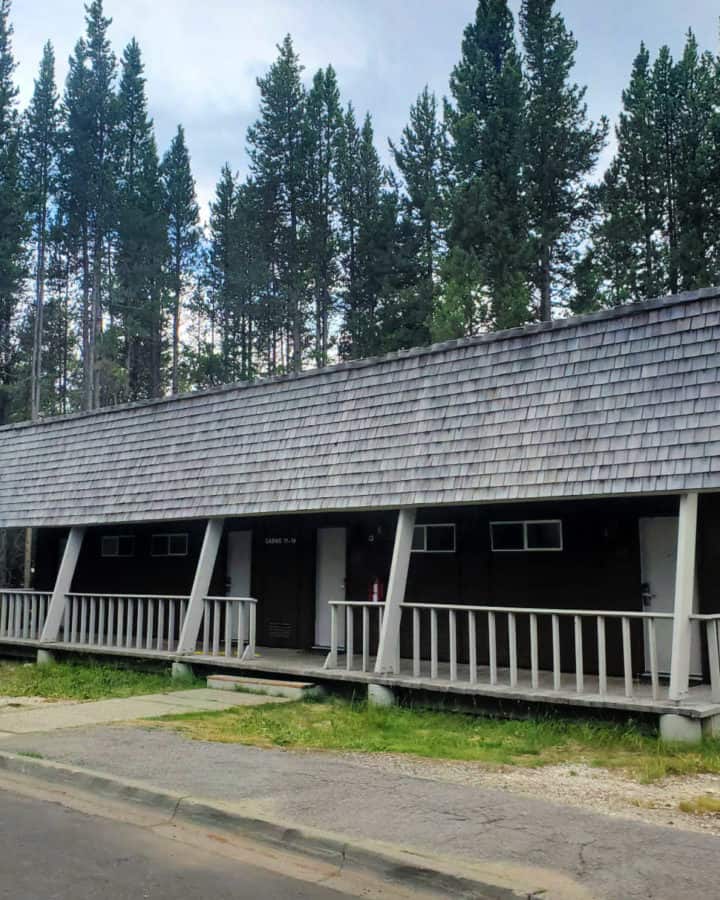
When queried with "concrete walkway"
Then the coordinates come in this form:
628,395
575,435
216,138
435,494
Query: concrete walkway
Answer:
61,715
610,858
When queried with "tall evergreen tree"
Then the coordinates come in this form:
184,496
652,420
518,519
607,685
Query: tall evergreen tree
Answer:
561,146
220,275
12,211
183,234
361,180
278,165
88,179
323,121
142,233
422,159
40,145
488,233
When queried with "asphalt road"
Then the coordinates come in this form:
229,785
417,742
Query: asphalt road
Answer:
50,852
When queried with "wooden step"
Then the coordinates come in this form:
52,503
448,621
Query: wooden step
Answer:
296,690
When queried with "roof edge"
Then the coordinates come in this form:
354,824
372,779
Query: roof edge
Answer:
615,312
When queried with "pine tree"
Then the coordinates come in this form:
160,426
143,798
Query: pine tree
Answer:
323,121
12,211
422,159
183,234
665,113
40,145
364,234
142,233
88,180
488,233
219,276
627,238
561,146
278,167
698,104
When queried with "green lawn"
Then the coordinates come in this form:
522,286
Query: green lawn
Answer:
84,681
342,725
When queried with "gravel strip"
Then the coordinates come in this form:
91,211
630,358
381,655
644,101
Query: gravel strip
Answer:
586,787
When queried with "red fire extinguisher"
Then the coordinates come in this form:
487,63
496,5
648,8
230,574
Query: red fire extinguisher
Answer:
377,591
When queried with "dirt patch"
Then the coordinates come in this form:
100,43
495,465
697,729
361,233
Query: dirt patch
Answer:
11,703
600,790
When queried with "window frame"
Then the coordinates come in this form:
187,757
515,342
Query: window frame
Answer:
525,548
167,536
425,527
117,538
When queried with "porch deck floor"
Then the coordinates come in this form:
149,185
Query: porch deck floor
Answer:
698,704
309,665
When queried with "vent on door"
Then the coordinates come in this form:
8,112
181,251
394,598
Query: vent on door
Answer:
280,631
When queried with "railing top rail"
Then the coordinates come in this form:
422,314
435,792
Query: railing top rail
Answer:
356,603
233,599
129,596
25,591
705,617
540,611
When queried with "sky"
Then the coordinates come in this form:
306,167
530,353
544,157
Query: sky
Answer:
203,56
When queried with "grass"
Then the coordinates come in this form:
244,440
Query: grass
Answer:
701,806
342,725
86,681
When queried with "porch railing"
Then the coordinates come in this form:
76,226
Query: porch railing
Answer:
130,621
229,626
712,637
468,621
23,614
343,613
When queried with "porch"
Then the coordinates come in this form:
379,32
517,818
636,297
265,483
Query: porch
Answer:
424,632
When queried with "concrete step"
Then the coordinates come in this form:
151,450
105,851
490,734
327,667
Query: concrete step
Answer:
295,690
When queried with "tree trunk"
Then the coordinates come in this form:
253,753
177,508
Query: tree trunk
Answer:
545,282
36,365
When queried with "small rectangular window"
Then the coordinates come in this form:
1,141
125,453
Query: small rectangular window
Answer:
169,545
540,534
434,539
117,545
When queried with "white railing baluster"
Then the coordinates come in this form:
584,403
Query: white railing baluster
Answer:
433,643
557,671
332,657
365,639
452,627
241,629
250,651
111,622
171,624
627,656
34,603
416,643
160,623
654,674
120,621
579,663
711,631
102,618
472,648
140,624
129,622
26,617
349,638
206,627
492,648
150,623
512,647
216,628
534,668
602,657
93,619
229,612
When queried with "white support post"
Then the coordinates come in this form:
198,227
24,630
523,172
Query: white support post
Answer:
684,595
201,586
63,584
387,655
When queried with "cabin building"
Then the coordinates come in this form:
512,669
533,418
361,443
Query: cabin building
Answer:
530,515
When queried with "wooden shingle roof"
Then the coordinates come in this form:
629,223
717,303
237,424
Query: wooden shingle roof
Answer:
622,402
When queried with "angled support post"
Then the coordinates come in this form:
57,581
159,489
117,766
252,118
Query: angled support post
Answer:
201,586
63,583
388,656
684,596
